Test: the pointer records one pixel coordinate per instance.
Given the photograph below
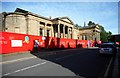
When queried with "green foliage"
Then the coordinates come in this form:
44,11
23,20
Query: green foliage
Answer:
109,33
76,25
91,23
101,28
103,36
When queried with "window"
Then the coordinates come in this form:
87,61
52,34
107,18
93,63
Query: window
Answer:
48,24
71,36
17,29
55,28
41,32
85,37
48,32
95,38
42,23
66,29
61,29
82,37
6,29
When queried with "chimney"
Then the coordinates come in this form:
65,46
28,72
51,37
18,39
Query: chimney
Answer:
50,17
84,24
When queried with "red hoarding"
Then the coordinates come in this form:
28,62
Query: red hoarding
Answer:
13,42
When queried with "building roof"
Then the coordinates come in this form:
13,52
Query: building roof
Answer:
88,27
62,19
21,10
18,10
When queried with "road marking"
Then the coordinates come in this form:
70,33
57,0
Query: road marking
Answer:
115,67
21,59
108,68
24,69
27,58
64,57
67,56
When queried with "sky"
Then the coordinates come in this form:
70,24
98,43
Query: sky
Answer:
103,13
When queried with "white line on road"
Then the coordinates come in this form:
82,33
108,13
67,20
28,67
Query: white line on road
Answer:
21,59
24,69
27,58
64,57
108,68
68,56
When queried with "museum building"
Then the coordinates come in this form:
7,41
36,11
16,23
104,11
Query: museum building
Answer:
25,22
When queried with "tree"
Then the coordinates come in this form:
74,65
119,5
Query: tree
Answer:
91,23
104,36
76,25
109,36
109,33
101,28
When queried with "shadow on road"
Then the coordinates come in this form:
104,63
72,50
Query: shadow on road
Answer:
75,67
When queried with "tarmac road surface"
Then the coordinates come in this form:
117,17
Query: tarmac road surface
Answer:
84,63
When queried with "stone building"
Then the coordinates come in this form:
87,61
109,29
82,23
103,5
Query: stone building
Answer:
90,33
25,22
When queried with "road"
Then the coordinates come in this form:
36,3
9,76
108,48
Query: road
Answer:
84,63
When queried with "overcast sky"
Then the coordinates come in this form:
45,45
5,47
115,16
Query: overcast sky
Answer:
103,13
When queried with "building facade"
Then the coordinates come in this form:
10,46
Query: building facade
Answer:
25,22
90,33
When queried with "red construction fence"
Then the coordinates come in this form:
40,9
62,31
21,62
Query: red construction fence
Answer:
13,42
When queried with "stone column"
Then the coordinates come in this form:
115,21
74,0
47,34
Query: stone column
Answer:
58,30
99,35
71,33
52,31
95,35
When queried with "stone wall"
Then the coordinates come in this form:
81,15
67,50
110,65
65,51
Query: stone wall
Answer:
15,23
